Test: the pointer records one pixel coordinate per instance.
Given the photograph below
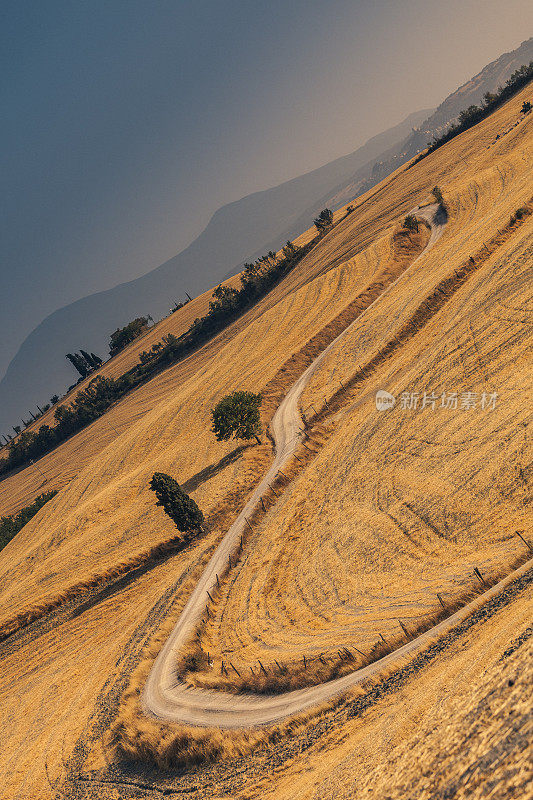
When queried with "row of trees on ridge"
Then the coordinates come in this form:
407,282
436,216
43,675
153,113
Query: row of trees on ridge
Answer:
226,304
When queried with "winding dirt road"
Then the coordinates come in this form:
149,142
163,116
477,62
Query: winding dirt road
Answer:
170,700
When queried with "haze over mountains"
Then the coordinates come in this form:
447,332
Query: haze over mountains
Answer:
238,232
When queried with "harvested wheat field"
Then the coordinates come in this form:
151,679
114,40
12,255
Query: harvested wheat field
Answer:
381,513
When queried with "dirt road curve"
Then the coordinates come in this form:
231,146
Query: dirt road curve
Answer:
172,701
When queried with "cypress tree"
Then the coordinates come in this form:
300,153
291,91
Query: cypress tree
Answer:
181,508
78,363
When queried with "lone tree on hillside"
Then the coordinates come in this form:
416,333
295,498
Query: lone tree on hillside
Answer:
181,509
526,107
324,220
237,416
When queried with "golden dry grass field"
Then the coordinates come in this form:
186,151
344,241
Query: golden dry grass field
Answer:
394,507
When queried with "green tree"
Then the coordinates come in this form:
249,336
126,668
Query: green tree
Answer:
224,300
291,251
181,508
526,107
237,416
92,361
79,364
123,336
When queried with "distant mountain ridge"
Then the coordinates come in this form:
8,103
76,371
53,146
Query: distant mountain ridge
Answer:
470,93
237,232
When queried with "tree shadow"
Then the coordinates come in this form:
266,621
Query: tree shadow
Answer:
213,469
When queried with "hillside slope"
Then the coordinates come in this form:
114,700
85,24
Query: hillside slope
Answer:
470,93
238,232
391,508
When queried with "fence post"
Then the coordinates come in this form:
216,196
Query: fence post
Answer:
404,629
478,575
530,547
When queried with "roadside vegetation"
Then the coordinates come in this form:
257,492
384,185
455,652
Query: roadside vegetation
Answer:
12,524
411,223
237,416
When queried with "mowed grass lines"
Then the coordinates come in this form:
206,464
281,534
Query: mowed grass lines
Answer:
107,514
332,561
400,505
468,155
462,721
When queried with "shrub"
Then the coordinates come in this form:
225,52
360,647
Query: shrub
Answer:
123,336
518,214
11,525
437,194
410,223
526,107
181,508
237,416
324,220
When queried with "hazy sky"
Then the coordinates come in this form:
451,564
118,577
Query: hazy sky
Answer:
127,123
